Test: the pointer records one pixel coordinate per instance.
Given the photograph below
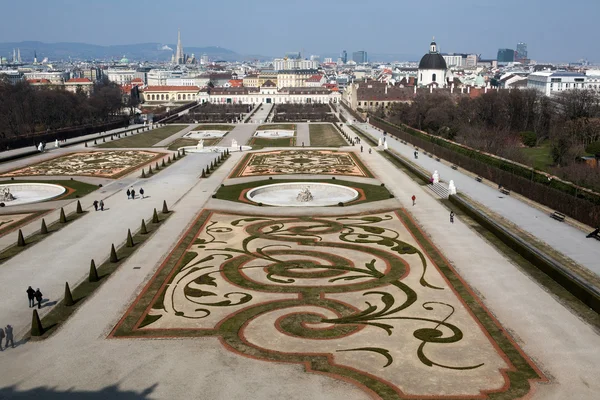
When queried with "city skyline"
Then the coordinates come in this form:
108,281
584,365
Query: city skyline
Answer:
389,28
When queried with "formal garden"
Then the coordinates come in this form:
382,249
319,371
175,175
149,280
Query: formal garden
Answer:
315,112
209,112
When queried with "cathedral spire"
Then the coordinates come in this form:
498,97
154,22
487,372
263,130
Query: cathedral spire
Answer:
179,57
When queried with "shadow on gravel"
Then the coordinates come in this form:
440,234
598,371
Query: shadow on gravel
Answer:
110,392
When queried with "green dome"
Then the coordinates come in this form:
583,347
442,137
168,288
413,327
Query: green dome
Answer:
124,60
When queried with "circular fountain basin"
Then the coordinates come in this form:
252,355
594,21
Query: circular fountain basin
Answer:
274,134
26,193
205,134
286,194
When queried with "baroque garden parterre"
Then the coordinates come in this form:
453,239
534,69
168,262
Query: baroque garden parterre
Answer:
364,298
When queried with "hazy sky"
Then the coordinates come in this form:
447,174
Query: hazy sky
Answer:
554,30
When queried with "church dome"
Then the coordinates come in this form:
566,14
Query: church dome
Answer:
433,61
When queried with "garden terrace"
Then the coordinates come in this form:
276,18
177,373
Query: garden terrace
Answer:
303,112
209,112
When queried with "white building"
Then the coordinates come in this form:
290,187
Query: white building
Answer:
280,64
554,82
55,77
13,76
120,76
453,60
432,68
268,94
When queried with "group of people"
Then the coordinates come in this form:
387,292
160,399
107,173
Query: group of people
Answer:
131,193
33,296
8,333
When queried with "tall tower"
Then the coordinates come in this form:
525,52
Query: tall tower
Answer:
35,57
179,57
19,55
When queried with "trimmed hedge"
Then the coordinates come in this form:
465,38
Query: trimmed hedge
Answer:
582,205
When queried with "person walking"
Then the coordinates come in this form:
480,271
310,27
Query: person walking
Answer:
31,296
95,205
39,297
128,193
142,192
1,337
9,336
451,216
133,194
101,205
361,149
414,199
370,150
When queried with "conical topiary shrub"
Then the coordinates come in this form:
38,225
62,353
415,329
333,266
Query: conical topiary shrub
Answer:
63,217
36,325
44,228
156,166
143,229
79,209
175,157
86,144
113,254
183,152
129,239
93,275
68,296
163,163
203,173
165,210
103,140
155,219
143,173
150,170
20,239
169,160
95,141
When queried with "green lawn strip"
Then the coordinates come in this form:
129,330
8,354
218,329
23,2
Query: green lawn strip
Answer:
283,127
146,171
60,313
213,128
539,157
278,142
325,135
143,140
372,192
79,188
519,385
36,237
182,142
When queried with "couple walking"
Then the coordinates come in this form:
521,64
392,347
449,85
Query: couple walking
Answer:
8,335
34,295
99,204
131,192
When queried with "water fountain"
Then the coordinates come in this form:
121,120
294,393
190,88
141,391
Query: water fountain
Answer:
302,194
15,194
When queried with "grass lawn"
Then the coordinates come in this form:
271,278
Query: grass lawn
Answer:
372,192
325,135
539,157
207,127
60,313
279,142
181,142
283,127
78,189
142,140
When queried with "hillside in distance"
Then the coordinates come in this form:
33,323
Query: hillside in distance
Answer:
134,52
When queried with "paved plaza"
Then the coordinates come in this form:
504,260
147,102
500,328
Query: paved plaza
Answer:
383,299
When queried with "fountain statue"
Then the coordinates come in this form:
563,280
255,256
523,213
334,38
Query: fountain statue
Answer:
234,144
451,188
385,145
200,144
435,177
6,195
305,195
379,142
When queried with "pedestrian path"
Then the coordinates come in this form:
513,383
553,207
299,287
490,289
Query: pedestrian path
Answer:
242,133
302,135
565,238
181,133
65,256
260,117
50,148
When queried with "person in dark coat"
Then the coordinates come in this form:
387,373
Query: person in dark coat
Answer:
9,336
1,337
128,193
142,192
132,194
39,296
95,205
451,217
31,296
101,205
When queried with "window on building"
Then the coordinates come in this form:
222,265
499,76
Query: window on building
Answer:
434,77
